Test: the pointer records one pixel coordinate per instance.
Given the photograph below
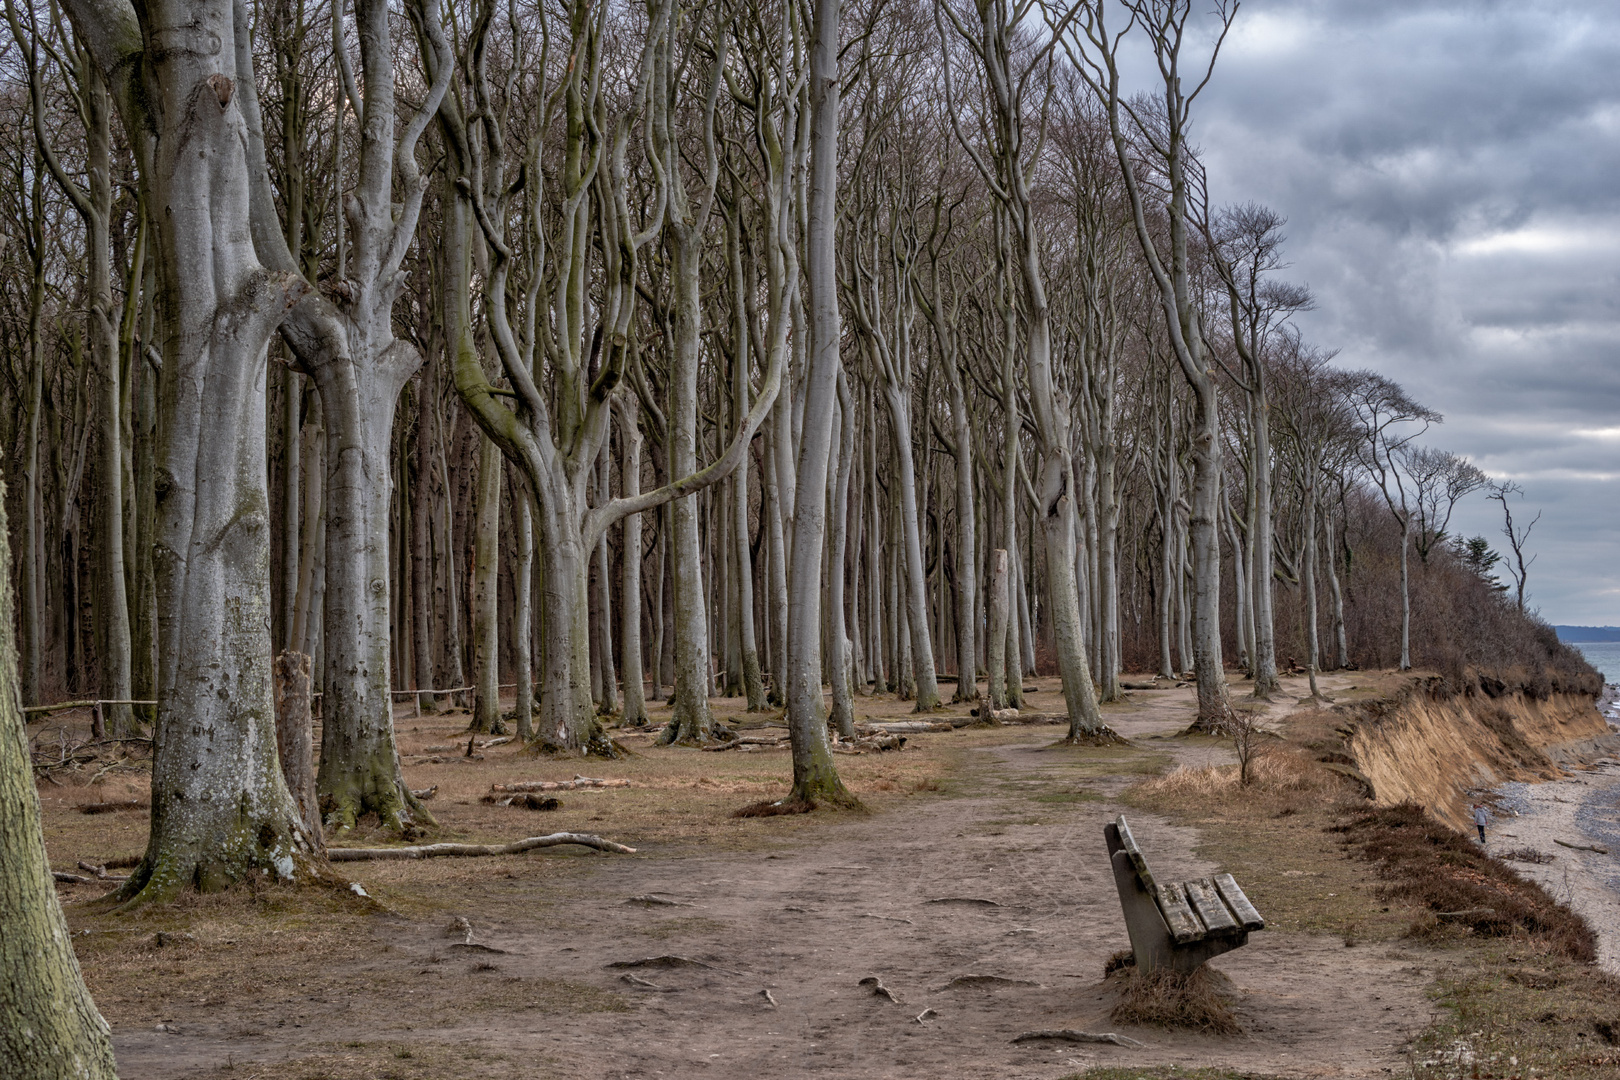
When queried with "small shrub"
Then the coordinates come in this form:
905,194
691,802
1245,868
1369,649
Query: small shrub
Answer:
1167,998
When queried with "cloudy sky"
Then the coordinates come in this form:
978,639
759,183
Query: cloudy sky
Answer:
1451,176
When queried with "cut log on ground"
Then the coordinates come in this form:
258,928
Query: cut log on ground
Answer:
902,727
518,847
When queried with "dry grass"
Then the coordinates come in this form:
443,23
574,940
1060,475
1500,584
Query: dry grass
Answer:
1463,889
1165,998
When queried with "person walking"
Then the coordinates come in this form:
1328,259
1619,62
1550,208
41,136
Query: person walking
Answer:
1480,818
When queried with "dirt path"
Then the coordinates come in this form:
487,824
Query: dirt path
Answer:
1022,829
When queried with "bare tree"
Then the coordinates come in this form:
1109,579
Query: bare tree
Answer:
1519,568
1440,479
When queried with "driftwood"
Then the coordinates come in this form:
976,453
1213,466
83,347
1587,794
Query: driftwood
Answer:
1070,1035
578,783
1581,847
875,984
429,851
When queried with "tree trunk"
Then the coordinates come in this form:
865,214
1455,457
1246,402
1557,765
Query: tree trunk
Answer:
1341,645
523,609
1406,593
427,429
294,742
997,660
843,701
486,565
219,805
609,702
49,1027
1265,636
635,702
814,776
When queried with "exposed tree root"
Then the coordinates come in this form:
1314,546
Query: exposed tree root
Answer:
1105,736
1071,1035
775,809
429,851
875,984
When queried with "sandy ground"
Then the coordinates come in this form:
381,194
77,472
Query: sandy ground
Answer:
1581,809
859,897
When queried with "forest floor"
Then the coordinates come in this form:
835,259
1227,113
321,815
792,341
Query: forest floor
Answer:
980,853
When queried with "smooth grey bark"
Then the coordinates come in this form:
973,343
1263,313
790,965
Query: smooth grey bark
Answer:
842,718
427,428
1341,644
814,776
609,702
996,662
1019,249
753,682
635,701
486,564
94,205
893,365
1176,293
523,611
219,805
50,1029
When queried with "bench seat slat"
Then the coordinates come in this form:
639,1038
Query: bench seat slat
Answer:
1239,904
1206,901
1179,917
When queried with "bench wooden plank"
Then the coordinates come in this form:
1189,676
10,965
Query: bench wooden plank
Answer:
1206,901
1244,911
1138,860
1179,918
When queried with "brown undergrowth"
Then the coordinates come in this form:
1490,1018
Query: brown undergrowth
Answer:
1464,890
1199,1001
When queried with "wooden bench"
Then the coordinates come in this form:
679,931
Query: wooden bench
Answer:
1178,925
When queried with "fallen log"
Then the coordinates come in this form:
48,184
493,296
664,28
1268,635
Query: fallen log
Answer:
525,800
578,783
1581,847
429,851
1070,1035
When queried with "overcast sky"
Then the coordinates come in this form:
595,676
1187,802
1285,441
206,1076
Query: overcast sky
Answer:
1451,177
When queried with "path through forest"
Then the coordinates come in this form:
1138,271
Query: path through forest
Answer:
898,895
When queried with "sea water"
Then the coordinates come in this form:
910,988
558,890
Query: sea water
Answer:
1603,655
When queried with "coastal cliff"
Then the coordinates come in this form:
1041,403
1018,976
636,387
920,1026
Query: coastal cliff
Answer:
1416,738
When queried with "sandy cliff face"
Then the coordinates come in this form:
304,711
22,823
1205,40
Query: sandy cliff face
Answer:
1426,744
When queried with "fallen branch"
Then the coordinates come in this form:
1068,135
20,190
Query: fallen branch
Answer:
887,918
925,1016
645,984
576,784
770,999
978,900
1070,1035
101,872
526,800
1581,847
903,727
653,900
72,879
429,851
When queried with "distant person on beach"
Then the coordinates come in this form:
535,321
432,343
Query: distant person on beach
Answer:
1480,818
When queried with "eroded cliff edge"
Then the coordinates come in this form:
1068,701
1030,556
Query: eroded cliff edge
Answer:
1421,738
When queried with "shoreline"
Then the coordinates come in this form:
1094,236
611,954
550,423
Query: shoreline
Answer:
1582,808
